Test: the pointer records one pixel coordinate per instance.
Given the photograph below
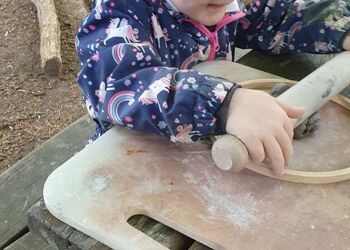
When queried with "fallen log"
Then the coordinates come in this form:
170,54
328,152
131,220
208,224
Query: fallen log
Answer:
50,50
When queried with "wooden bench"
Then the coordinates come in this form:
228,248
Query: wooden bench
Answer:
61,236
22,185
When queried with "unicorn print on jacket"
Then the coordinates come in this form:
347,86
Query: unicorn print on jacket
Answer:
220,92
283,39
158,33
184,134
119,50
323,46
196,57
98,9
101,93
150,95
119,27
121,42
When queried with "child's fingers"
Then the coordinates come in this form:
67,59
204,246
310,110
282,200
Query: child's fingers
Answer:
289,129
256,150
291,111
286,146
274,152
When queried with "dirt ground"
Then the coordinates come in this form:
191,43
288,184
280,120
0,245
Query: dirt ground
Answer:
33,106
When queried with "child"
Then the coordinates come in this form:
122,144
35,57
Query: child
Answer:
136,57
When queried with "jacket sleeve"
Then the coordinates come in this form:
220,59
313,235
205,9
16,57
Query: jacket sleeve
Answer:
125,81
281,26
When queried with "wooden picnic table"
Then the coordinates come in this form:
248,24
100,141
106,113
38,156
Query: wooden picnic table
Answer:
21,186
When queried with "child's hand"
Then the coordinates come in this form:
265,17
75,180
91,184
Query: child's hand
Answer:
346,44
261,122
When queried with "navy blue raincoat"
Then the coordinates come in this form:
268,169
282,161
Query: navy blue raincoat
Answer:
136,58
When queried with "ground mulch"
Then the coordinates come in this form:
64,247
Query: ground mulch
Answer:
33,106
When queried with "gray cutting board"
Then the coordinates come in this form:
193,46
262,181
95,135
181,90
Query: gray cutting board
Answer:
125,173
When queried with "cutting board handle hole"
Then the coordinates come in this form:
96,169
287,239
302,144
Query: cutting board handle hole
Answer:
164,234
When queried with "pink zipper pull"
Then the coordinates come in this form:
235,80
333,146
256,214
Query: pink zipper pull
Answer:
213,36
216,41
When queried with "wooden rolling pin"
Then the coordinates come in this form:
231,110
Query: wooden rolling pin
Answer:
311,93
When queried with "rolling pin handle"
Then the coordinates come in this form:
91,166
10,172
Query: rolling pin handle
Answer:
229,153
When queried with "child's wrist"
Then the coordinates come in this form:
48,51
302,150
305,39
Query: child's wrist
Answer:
346,43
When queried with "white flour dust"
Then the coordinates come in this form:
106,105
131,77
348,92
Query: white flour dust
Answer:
99,184
236,207
150,186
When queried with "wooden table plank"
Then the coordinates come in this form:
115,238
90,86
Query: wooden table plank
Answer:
294,67
21,186
167,236
56,233
62,236
29,242
199,246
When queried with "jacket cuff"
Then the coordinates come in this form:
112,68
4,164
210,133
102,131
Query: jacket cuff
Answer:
221,114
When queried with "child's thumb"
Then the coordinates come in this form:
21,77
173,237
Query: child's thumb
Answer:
292,111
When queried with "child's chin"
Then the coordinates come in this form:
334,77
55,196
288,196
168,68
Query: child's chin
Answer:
211,20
